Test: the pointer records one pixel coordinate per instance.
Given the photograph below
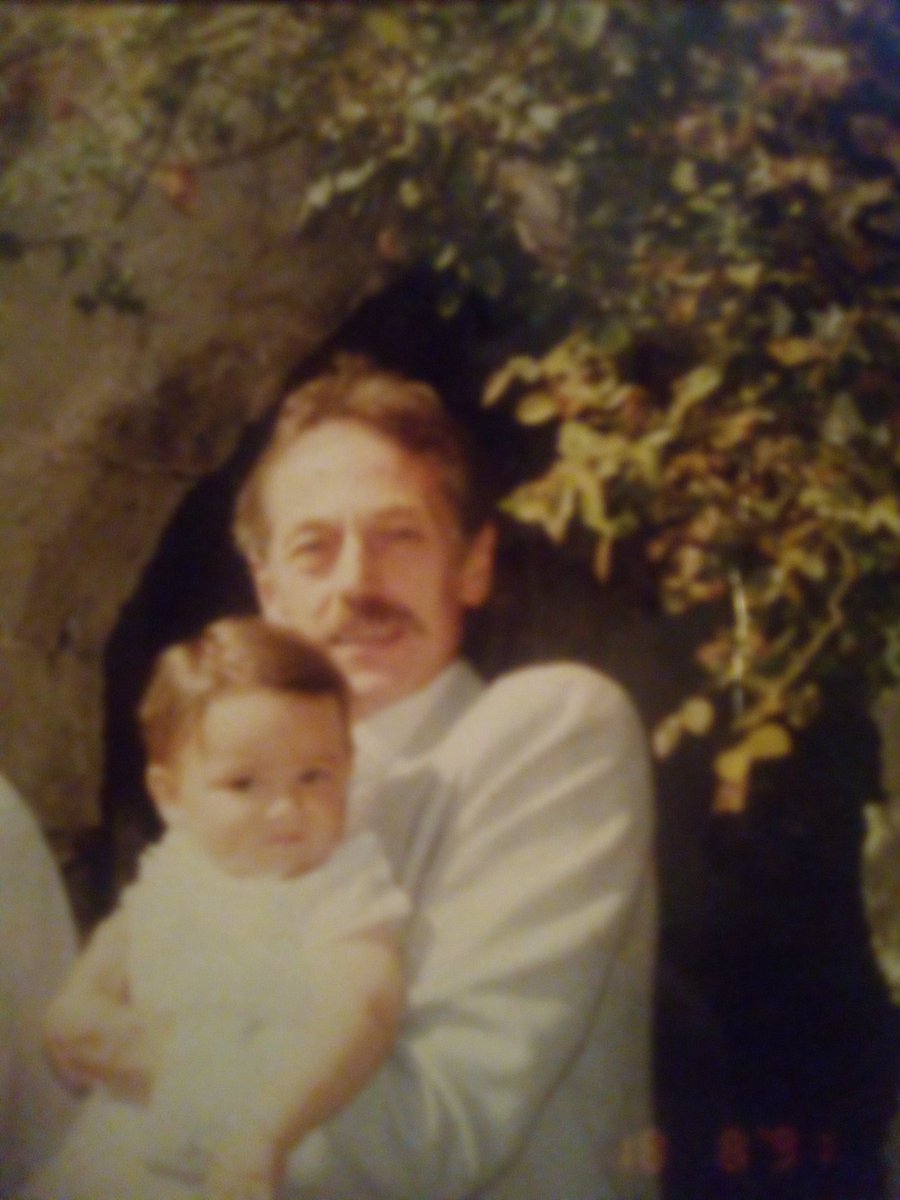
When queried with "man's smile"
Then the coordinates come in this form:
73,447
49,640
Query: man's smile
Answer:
377,624
381,633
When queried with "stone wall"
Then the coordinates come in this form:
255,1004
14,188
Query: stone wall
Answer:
108,418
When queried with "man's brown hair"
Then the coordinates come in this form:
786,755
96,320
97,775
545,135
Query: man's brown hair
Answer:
408,412
233,654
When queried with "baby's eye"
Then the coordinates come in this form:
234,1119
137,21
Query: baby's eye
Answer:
314,775
239,783
309,548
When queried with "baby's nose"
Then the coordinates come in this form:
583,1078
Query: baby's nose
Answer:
285,802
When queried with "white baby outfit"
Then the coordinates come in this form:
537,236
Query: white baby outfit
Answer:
236,962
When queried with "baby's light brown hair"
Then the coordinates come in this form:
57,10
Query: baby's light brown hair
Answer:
232,654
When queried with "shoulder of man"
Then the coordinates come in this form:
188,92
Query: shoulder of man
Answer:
568,689
543,705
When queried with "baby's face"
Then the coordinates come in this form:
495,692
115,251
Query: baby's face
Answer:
261,783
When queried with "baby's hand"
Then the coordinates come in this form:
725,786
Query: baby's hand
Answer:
74,1045
67,1060
114,1045
247,1167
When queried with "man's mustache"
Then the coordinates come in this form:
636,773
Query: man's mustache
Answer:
366,614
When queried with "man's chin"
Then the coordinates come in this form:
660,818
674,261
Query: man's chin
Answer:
373,685
382,675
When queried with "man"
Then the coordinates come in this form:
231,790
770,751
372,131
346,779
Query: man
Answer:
517,816
37,943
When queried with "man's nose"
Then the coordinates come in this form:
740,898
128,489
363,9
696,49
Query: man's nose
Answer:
355,568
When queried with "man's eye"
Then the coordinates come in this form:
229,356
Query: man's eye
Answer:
401,533
311,550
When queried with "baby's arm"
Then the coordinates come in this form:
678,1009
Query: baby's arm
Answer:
93,1033
348,1033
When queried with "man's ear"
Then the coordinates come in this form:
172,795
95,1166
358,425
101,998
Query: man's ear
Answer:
161,786
477,575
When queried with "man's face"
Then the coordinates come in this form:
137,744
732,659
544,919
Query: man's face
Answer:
366,558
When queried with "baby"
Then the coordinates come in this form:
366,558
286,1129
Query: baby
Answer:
257,944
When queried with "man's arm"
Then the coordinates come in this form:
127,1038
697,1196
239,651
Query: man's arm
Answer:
535,919
339,1044
93,1033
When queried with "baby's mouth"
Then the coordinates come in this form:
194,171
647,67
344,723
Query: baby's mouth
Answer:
285,838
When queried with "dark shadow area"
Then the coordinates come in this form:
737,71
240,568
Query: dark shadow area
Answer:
776,1045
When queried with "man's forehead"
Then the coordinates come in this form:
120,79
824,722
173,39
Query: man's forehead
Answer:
320,515
345,463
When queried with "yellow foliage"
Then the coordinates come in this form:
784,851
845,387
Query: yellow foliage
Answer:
795,351
697,715
521,368
745,275
388,27
765,742
537,408
684,176
690,389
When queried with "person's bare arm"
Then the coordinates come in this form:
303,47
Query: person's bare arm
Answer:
347,1037
93,1032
